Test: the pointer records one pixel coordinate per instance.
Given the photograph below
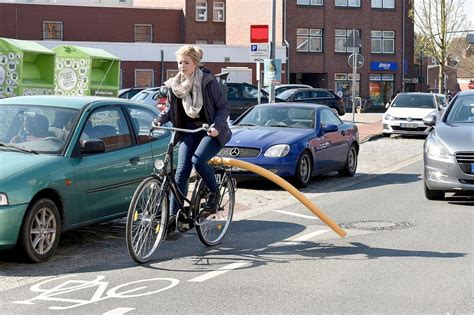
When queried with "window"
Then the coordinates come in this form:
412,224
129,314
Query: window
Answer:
52,30
141,121
218,12
385,4
310,2
201,41
382,42
144,78
328,118
110,126
341,38
144,33
218,42
309,39
201,11
348,3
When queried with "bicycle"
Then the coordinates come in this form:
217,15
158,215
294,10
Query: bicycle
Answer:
148,213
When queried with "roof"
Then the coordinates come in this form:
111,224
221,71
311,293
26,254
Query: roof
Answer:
292,104
85,51
25,45
75,102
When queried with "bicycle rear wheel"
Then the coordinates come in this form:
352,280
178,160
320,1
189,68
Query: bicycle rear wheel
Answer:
212,230
146,220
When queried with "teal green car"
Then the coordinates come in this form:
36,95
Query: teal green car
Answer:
66,162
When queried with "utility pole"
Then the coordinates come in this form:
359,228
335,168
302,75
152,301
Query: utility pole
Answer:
272,51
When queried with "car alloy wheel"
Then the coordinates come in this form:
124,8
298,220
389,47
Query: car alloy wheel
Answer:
351,163
40,231
303,170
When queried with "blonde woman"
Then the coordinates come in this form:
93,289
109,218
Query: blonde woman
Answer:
195,98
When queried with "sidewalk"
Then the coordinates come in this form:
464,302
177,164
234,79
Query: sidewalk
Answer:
369,124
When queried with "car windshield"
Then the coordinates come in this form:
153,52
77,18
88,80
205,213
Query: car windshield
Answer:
285,94
38,128
279,116
413,101
140,96
462,110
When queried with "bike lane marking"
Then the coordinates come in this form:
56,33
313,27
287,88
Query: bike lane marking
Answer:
298,215
119,311
219,271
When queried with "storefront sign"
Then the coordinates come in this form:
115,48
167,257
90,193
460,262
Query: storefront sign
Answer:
380,65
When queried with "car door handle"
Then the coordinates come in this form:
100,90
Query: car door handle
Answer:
134,160
343,132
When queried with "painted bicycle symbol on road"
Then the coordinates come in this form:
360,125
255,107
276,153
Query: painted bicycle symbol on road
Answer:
64,291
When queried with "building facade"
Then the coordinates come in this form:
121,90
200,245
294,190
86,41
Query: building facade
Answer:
310,36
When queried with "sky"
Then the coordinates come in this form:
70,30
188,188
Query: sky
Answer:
469,11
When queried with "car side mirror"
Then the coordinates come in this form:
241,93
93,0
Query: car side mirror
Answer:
330,128
430,120
92,146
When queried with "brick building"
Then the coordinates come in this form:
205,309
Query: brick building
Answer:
310,37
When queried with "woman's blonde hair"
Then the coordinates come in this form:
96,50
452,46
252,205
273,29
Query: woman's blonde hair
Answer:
194,52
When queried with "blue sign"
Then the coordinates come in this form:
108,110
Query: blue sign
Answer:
253,47
382,65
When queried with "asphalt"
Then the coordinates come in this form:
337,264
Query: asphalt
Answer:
369,124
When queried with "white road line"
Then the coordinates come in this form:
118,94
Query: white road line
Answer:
119,311
219,271
298,215
308,236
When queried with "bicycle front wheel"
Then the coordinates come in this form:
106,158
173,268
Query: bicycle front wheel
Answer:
212,230
146,220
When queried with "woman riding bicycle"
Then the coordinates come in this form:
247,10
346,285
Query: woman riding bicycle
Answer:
196,98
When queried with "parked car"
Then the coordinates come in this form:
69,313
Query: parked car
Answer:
295,141
69,162
283,87
129,93
315,96
154,96
406,112
242,96
448,153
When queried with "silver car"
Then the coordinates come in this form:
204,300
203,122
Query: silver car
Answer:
449,150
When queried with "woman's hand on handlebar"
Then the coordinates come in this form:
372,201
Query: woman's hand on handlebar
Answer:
212,132
155,124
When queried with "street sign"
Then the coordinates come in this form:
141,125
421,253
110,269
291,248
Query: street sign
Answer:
353,41
359,60
259,52
259,33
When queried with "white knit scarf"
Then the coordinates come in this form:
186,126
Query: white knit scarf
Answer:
189,90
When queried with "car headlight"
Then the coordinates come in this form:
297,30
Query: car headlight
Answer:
3,199
388,117
436,150
278,150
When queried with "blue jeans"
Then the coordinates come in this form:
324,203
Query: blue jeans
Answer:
195,149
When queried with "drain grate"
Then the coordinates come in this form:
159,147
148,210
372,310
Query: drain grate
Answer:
375,225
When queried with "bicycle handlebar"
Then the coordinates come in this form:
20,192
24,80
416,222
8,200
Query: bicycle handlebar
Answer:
204,127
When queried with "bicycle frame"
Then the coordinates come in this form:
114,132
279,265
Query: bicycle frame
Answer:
167,169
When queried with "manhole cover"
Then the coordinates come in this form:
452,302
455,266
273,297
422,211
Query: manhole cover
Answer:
375,225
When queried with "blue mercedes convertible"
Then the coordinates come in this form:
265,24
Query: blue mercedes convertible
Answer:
295,141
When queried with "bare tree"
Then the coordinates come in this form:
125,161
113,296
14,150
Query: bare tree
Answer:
438,22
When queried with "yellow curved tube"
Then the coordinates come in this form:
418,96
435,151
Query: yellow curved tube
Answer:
283,184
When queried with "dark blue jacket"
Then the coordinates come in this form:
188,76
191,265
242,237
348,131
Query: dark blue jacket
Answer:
216,108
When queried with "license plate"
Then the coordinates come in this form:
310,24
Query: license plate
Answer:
408,125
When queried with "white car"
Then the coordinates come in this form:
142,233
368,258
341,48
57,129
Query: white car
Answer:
407,110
